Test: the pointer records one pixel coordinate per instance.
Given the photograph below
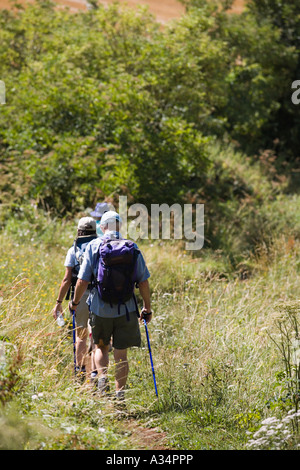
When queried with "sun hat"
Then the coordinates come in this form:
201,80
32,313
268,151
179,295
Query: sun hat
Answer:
100,208
87,224
110,216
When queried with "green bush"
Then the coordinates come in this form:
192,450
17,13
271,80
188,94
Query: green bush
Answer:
106,103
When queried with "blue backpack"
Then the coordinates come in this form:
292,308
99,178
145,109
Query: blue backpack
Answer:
116,273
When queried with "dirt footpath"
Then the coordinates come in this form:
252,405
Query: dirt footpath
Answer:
164,10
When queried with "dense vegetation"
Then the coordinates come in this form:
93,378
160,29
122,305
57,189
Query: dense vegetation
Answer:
225,352
106,103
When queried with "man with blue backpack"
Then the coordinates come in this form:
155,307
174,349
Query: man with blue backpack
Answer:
86,232
114,267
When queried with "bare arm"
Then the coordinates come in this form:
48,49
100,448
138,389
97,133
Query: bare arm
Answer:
64,287
80,288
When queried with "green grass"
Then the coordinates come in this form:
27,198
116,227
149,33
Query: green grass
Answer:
219,374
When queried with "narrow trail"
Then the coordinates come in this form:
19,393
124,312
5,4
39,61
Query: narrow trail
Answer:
143,438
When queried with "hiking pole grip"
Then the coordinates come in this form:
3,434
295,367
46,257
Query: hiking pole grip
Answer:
150,354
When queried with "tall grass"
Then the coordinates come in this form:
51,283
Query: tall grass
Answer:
219,373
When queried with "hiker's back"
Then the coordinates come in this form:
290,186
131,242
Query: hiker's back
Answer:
116,273
121,262
75,257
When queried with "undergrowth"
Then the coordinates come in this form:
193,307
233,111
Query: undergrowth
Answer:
219,372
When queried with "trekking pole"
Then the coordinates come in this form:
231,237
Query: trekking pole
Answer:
74,340
150,354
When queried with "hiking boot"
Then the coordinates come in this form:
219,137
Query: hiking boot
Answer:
93,378
120,403
94,374
102,386
120,395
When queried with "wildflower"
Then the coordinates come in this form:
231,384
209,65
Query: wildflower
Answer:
269,421
274,434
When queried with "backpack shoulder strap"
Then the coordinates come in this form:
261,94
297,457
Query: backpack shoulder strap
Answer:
76,249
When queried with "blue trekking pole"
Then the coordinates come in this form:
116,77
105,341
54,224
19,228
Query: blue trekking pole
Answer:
149,348
74,340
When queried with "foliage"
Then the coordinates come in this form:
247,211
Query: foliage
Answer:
275,434
105,102
91,107
9,374
262,61
288,342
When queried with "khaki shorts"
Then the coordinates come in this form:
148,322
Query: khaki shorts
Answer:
125,334
82,312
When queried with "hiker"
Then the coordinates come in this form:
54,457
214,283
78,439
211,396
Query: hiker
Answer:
86,232
100,209
119,320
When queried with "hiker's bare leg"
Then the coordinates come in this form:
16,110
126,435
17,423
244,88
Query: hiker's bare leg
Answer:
92,348
93,364
122,368
101,358
81,339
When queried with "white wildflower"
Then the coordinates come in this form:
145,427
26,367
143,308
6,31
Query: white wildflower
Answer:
270,420
274,433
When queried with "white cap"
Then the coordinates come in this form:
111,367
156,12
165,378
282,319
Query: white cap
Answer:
110,216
